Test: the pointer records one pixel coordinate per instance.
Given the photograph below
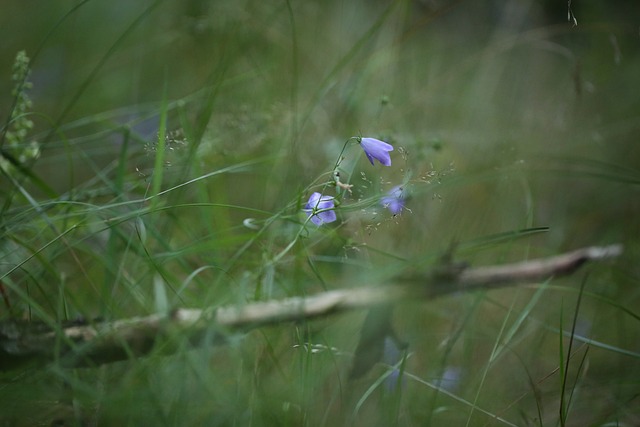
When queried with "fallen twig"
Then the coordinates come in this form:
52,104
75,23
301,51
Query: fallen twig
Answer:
104,342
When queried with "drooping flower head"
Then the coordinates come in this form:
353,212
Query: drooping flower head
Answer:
376,149
394,200
320,208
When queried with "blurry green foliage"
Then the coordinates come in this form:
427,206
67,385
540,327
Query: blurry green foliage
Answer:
503,116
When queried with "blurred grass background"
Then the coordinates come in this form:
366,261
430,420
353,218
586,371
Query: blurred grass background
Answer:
504,117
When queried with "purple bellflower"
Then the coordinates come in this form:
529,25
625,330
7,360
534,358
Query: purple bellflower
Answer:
450,379
317,202
394,200
392,354
376,149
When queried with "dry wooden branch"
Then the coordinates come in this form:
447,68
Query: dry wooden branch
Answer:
104,342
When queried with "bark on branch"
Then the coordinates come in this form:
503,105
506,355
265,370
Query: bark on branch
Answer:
105,342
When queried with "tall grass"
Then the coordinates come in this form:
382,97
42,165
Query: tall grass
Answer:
179,142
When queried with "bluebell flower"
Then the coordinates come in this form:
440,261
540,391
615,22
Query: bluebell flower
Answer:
320,209
394,200
391,356
450,379
376,149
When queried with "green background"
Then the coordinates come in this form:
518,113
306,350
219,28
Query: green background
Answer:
504,116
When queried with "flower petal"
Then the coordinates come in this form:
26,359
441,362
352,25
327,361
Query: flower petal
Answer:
394,200
376,149
324,204
313,201
327,216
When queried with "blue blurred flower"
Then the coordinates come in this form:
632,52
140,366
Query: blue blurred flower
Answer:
320,209
394,200
376,149
450,379
391,356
